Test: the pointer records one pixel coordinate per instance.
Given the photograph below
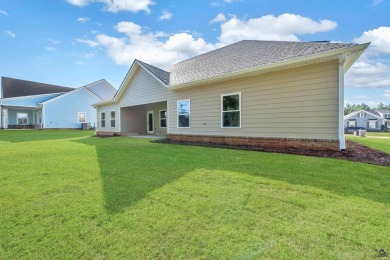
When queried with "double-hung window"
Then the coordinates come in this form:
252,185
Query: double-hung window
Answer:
372,124
183,113
231,110
103,119
112,115
82,117
163,118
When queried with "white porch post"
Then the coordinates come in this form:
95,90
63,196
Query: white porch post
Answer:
342,59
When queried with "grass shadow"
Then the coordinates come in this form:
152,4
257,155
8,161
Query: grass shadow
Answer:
131,168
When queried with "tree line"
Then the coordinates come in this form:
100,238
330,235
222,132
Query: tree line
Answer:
355,107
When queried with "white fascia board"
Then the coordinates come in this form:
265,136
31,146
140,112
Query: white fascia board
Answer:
354,49
32,96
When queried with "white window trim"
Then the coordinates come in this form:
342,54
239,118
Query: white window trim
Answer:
78,117
369,124
111,118
166,118
177,113
100,121
240,108
17,118
388,125
361,114
352,121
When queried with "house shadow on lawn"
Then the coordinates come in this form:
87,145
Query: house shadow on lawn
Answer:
131,168
20,136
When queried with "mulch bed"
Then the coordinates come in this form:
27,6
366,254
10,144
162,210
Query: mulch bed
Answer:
354,152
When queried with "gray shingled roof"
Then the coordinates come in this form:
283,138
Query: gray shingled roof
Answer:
159,73
245,55
18,88
374,112
240,56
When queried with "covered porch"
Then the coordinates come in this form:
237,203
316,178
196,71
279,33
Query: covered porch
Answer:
20,117
147,119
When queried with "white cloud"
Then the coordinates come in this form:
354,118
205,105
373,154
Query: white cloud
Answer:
50,48
10,34
83,19
154,48
387,94
115,6
377,2
219,18
79,62
360,97
51,41
284,27
79,3
368,74
3,12
162,49
90,43
166,15
379,38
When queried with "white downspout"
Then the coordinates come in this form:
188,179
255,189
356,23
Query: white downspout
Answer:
342,59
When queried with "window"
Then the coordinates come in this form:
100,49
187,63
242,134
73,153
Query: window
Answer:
372,124
22,118
386,116
82,117
103,119
163,118
352,123
388,125
112,114
183,113
231,110
362,114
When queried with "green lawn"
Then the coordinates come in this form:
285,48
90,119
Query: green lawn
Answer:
66,194
379,141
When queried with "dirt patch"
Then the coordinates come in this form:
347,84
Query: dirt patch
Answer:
355,152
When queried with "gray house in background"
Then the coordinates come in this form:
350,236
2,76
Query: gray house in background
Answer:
371,120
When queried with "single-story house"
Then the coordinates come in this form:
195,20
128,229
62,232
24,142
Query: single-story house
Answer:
288,94
27,104
372,120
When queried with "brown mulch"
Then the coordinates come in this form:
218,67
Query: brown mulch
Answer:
354,152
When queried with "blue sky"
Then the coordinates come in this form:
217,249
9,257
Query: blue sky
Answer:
76,42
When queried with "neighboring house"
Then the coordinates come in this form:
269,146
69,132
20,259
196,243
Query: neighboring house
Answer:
26,104
248,93
372,120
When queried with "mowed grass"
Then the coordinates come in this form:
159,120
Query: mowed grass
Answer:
379,141
65,194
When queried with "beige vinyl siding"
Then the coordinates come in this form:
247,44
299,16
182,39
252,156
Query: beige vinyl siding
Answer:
143,89
295,103
107,109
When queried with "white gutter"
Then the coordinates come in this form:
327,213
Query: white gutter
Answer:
342,60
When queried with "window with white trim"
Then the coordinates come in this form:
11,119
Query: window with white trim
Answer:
163,118
372,124
22,118
388,125
103,119
112,115
386,116
183,113
352,123
362,114
82,117
231,110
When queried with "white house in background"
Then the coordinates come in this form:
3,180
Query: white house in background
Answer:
26,104
288,94
371,120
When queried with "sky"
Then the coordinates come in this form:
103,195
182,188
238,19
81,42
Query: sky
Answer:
76,42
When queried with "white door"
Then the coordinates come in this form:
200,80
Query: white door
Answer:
5,118
149,124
